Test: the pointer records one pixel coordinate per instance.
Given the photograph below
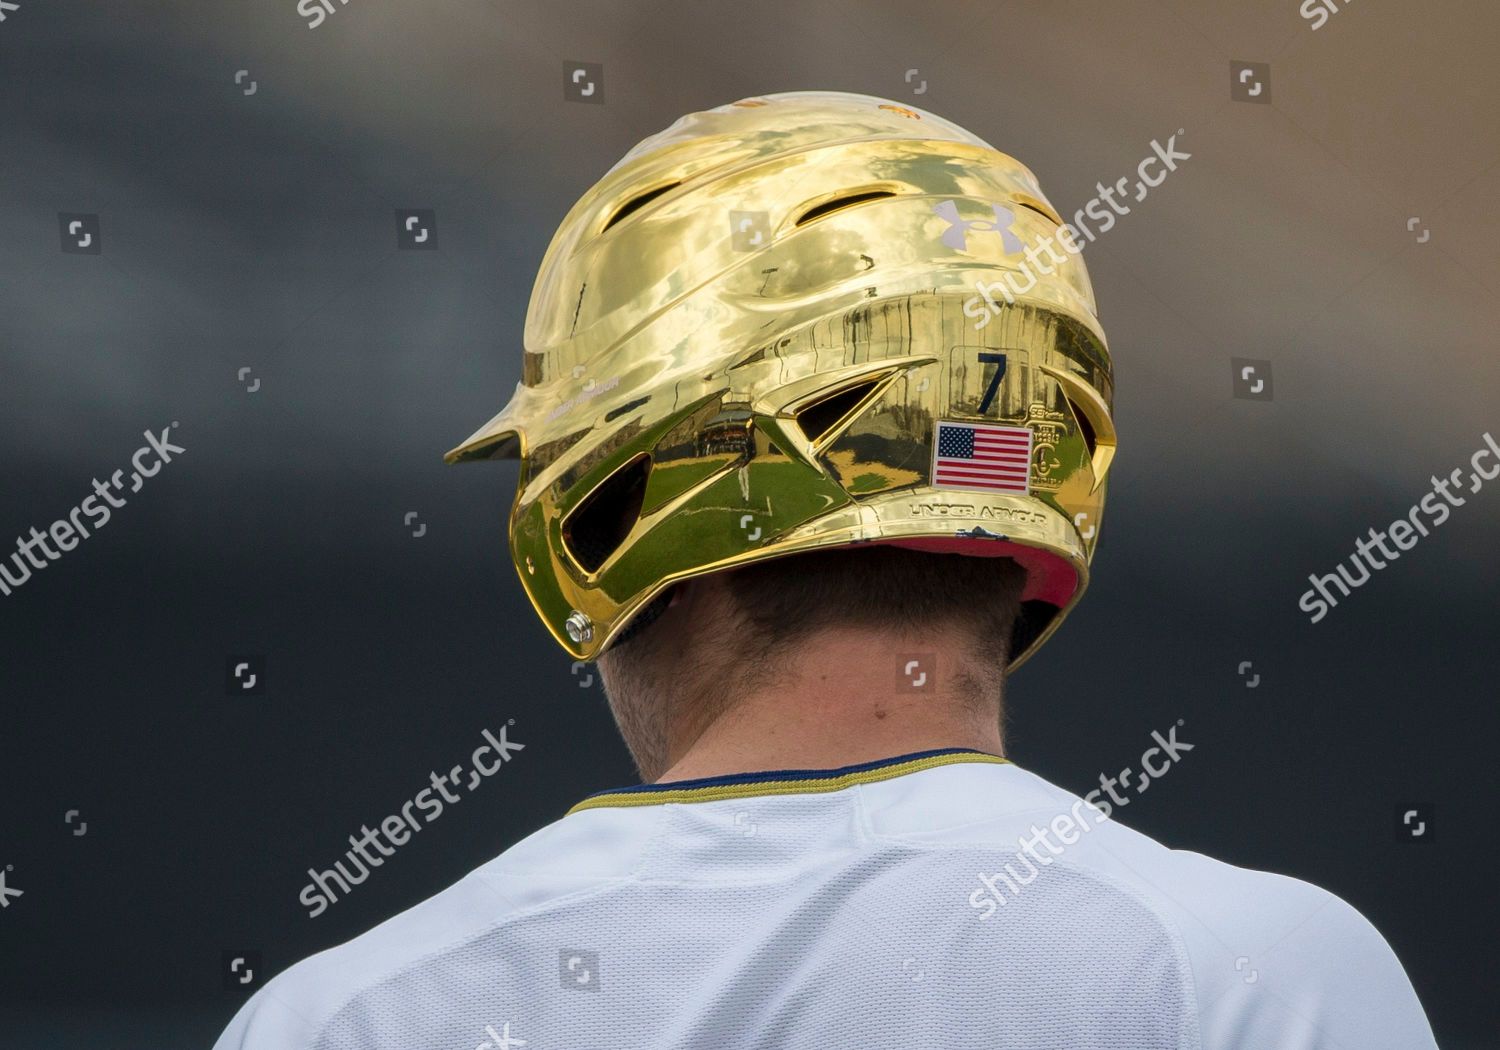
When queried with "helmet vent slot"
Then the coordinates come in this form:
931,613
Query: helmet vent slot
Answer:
1084,426
595,528
840,203
823,416
1032,207
629,406
638,202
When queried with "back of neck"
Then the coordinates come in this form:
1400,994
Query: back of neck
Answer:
854,697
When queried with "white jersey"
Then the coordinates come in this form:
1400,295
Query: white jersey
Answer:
946,899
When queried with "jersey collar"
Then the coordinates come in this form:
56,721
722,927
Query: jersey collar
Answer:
781,782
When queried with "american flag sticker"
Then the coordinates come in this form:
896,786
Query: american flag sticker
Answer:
982,457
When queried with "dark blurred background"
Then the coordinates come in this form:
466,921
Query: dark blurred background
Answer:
241,171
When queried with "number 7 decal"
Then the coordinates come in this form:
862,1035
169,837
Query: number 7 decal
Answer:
989,392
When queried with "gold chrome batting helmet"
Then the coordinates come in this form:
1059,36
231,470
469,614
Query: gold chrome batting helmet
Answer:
798,322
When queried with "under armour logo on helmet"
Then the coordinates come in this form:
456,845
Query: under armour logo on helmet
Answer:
957,233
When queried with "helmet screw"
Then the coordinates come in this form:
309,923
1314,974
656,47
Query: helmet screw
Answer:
580,628
530,566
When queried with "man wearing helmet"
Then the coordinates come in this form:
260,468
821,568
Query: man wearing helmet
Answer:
805,514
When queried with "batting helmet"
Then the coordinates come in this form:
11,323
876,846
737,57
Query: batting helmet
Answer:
798,322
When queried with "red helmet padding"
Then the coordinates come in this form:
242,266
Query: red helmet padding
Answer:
1050,577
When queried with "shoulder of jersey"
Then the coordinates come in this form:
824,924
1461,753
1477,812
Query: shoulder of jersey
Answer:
1271,960
562,859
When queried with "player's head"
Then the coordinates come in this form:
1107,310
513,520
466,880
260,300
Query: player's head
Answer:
797,323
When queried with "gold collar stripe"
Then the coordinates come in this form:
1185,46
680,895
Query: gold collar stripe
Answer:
799,782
